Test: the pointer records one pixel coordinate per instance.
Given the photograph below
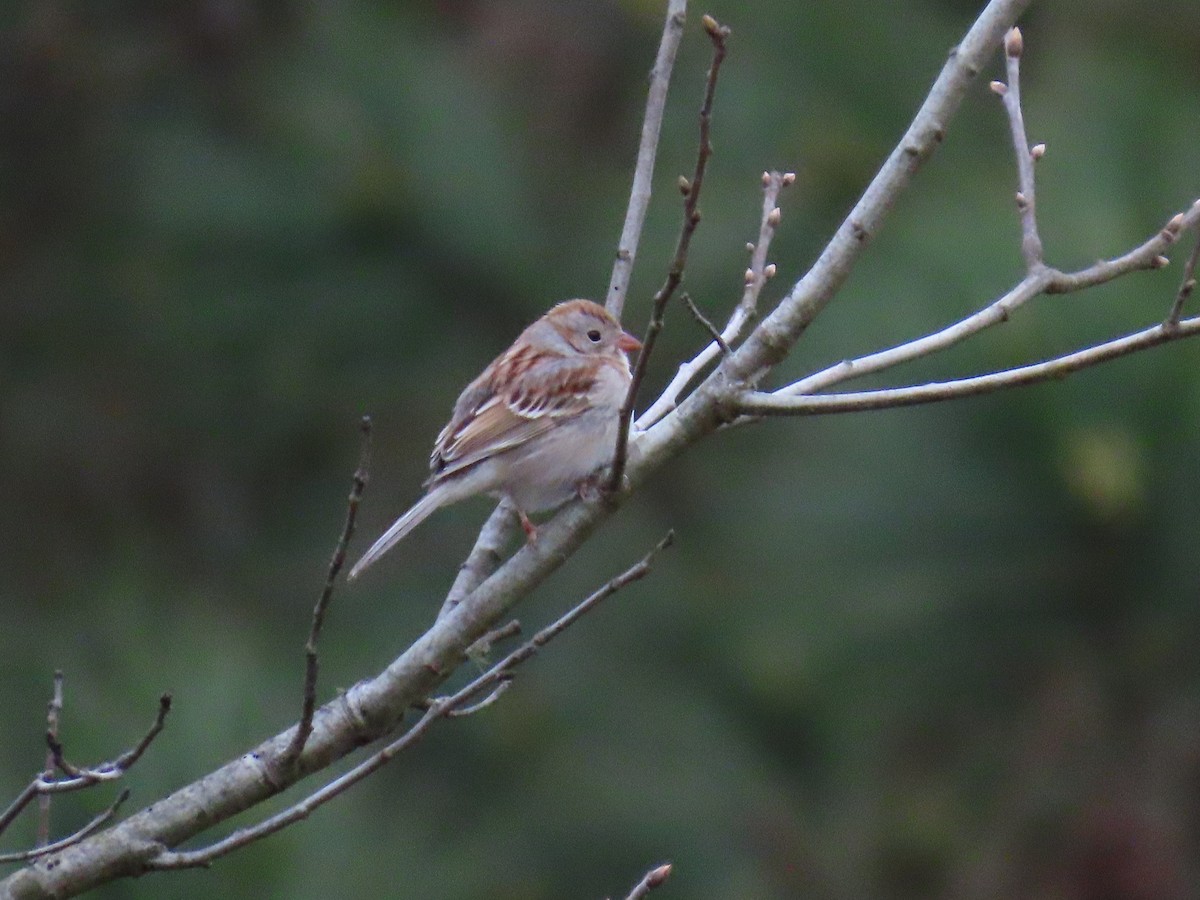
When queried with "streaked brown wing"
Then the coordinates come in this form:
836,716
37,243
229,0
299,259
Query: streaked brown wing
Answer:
509,405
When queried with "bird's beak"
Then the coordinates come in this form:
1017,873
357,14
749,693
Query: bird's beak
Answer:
628,343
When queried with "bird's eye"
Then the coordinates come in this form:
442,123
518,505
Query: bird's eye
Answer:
594,336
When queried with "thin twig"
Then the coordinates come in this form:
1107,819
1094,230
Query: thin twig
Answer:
1187,284
312,662
1031,241
482,647
744,313
1045,280
718,34
487,701
777,333
108,771
703,321
134,753
656,877
780,404
61,844
440,708
79,778
53,710
643,173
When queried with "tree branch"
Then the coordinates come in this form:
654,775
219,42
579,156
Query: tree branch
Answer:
372,708
484,557
78,778
311,662
494,679
718,34
643,173
759,403
777,333
53,710
1031,241
1045,280
743,314
45,849
1188,283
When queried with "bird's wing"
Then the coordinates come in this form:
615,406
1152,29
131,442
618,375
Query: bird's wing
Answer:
511,403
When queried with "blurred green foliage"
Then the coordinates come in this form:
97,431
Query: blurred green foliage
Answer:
942,652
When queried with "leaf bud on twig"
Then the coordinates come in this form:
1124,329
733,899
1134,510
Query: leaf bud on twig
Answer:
1037,151
658,876
769,271
1014,44
773,217
999,88
685,186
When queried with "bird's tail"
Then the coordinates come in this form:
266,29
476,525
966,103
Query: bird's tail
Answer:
401,527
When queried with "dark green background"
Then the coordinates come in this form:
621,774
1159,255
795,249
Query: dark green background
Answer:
937,652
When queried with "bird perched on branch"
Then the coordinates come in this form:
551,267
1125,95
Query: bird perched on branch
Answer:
534,425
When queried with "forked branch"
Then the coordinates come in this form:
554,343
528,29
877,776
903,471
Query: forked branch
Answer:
490,684
718,34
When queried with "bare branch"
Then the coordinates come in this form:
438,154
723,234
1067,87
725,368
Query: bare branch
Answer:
656,877
703,322
80,778
442,707
743,314
311,661
1044,280
1031,242
373,707
718,34
125,761
643,173
484,557
779,331
779,404
45,849
482,647
53,710
1189,278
